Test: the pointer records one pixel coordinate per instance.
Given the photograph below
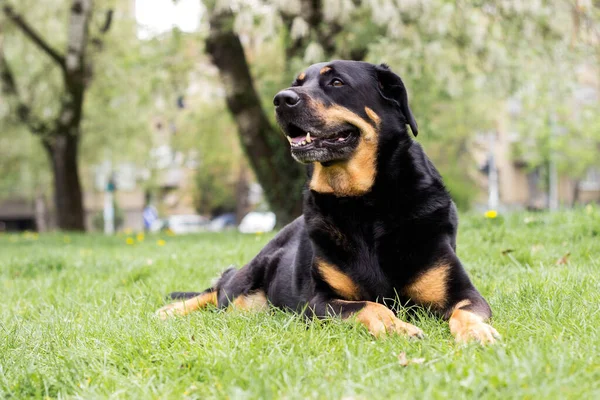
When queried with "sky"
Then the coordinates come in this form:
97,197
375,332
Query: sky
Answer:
158,16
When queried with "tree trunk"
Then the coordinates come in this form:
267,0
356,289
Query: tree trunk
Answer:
68,199
242,193
576,192
267,150
60,137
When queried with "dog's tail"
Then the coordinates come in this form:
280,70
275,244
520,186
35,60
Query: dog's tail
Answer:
186,295
208,294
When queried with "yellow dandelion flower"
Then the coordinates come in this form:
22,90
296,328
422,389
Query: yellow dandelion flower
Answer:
128,231
66,240
140,237
129,240
491,214
161,242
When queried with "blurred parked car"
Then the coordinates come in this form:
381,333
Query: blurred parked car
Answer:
222,222
255,222
181,224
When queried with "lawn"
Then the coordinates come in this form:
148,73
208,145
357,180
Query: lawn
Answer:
77,320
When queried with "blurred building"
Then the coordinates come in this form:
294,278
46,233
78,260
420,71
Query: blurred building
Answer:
520,186
17,215
170,180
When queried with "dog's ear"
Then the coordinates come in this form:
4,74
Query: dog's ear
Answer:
392,89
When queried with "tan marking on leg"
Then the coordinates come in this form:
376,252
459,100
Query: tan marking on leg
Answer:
466,326
380,321
461,304
353,177
256,301
430,288
302,76
181,308
341,283
324,70
373,115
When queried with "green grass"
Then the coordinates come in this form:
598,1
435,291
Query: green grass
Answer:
77,320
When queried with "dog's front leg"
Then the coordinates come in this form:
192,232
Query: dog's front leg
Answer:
447,289
378,319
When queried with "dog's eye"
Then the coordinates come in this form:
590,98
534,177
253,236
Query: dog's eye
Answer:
336,82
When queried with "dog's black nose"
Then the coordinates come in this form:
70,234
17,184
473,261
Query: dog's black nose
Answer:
287,98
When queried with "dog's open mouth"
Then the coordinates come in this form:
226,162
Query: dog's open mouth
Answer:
301,139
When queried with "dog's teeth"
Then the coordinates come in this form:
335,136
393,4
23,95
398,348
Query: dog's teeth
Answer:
308,139
289,139
340,139
303,143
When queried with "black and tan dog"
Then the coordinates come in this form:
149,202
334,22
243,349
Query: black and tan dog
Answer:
378,223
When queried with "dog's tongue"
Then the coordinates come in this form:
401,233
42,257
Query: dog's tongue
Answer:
298,139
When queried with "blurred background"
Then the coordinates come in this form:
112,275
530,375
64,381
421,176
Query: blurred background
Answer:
157,114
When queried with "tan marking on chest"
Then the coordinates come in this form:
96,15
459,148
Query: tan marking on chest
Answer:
354,177
341,283
430,289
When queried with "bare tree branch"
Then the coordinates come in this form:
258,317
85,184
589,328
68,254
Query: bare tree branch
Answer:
33,35
8,87
107,22
97,41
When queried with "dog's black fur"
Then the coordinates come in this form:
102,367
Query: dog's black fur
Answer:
380,241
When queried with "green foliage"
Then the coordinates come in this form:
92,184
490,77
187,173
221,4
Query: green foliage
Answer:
460,188
212,138
133,83
93,332
461,61
215,191
23,163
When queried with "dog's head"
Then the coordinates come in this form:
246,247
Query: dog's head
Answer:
333,110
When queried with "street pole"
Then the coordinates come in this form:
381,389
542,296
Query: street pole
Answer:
553,175
109,209
493,192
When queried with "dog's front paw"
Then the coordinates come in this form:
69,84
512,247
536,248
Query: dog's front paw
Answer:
381,321
482,333
467,326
